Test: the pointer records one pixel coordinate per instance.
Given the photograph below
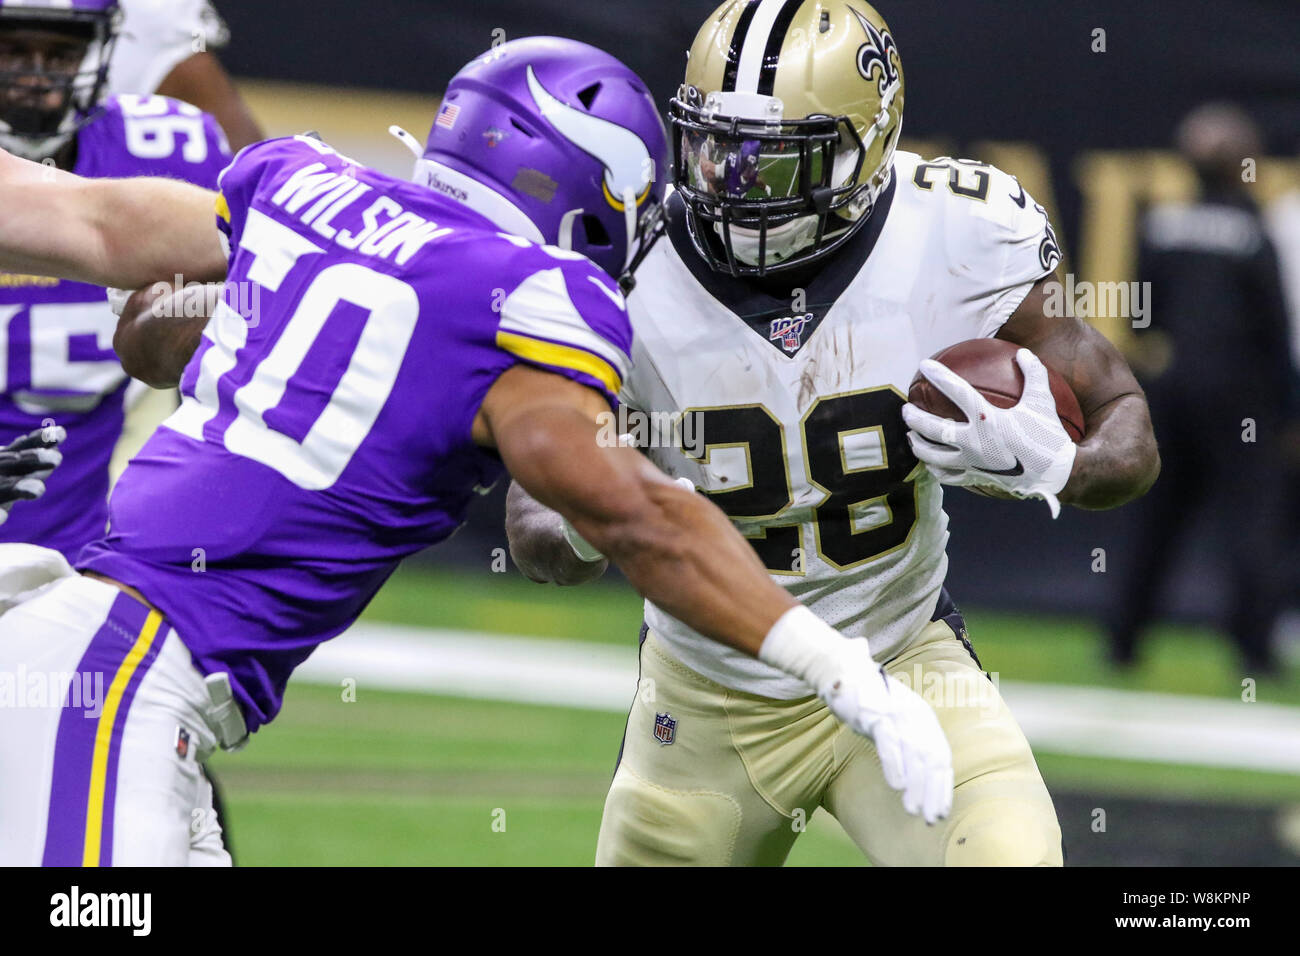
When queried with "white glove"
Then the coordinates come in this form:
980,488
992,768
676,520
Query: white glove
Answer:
1023,451
914,753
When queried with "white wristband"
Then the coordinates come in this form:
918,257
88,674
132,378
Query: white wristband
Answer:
117,299
803,645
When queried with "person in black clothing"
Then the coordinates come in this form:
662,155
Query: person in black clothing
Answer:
1224,393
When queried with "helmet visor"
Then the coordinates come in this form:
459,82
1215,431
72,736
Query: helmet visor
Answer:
751,168
781,165
748,168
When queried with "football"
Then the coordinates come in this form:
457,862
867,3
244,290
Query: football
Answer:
990,365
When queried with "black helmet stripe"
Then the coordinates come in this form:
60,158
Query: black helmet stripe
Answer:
738,41
775,40
760,31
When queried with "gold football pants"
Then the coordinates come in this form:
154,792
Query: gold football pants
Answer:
743,774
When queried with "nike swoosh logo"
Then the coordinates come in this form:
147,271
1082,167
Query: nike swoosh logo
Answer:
1019,469
1019,200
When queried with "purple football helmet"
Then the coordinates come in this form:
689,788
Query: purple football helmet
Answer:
46,96
558,142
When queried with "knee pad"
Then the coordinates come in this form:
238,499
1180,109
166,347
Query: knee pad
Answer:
649,825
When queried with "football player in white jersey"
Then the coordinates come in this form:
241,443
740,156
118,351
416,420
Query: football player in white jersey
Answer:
167,47
809,270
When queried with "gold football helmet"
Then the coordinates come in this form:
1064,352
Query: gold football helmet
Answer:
785,129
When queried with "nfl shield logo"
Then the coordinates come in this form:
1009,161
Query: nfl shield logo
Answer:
665,728
789,331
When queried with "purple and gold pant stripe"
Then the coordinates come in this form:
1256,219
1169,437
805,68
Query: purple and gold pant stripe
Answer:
83,790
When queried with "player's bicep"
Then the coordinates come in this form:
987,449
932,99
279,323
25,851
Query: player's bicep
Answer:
547,430
1093,367
521,392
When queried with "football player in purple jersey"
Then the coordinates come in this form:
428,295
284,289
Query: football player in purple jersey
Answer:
59,365
382,351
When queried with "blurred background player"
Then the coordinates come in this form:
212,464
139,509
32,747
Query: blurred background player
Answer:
1284,229
169,47
61,368
1221,393
60,365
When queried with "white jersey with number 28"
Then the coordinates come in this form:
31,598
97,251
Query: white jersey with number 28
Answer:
794,423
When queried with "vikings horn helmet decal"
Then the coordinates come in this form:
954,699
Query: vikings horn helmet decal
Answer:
54,70
627,161
784,130
583,164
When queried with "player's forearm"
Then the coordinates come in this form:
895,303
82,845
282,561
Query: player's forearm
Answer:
124,233
160,330
538,546
676,548
151,230
681,552
1118,460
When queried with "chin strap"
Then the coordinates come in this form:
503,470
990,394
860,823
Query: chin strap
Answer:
654,226
38,150
407,140
630,220
565,239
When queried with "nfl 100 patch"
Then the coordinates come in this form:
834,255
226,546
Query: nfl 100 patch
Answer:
665,728
788,331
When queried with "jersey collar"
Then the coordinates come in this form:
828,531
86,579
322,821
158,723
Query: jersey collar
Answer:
761,303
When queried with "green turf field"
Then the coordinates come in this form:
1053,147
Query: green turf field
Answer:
414,779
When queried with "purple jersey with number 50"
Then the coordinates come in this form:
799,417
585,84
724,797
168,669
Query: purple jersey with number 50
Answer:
325,427
56,338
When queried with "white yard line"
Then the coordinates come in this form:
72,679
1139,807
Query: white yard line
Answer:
1083,721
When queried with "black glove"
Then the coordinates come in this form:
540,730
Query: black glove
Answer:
26,463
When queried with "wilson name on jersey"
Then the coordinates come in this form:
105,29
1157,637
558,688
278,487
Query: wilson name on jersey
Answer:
795,397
